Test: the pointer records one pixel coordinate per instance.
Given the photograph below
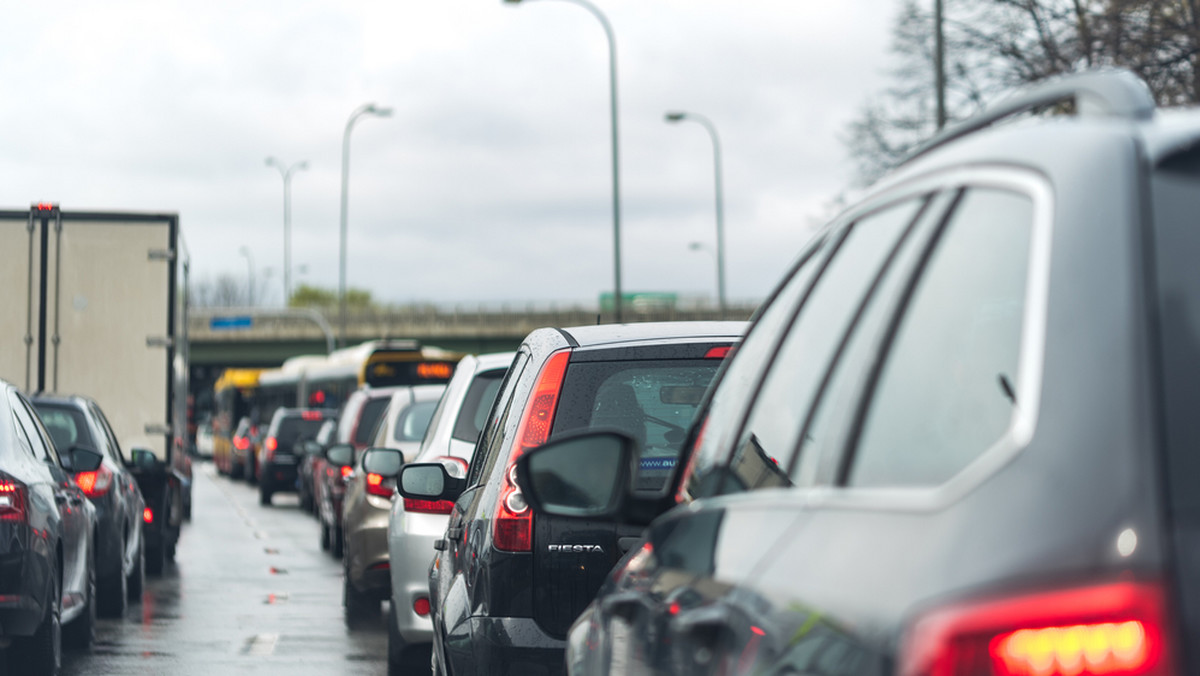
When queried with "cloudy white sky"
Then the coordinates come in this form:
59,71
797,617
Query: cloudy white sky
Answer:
491,181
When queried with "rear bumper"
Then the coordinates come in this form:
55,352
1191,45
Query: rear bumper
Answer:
277,476
410,547
367,552
513,646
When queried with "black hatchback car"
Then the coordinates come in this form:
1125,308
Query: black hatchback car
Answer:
962,436
280,455
505,586
77,422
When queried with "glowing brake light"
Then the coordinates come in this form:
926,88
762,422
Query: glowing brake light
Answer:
347,470
513,525
95,484
241,443
12,500
428,506
1117,629
377,486
271,444
148,515
718,352
310,415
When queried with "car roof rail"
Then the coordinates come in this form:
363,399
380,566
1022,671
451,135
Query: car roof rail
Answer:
1102,92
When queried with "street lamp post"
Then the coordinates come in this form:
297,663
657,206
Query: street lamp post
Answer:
287,172
249,275
616,178
366,109
712,131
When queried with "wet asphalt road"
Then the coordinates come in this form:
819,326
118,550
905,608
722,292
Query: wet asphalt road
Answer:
250,592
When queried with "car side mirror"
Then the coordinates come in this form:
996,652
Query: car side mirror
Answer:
585,475
429,481
385,462
81,459
145,459
340,455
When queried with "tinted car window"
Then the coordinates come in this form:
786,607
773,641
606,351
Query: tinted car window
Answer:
294,428
945,393
414,420
772,431
473,414
66,425
42,447
745,365
372,411
652,401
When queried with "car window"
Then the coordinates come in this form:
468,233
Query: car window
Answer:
743,368
765,447
945,393
414,420
67,426
472,415
830,415
42,446
22,432
113,445
368,418
654,401
490,440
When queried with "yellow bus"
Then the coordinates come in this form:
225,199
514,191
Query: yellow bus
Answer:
235,396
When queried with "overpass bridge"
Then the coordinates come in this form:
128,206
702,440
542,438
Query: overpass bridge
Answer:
261,337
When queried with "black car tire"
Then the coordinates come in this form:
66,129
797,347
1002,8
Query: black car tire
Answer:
156,559
137,578
264,496
41,654
79,634
114,590
358,606
324,536
404,659
337,547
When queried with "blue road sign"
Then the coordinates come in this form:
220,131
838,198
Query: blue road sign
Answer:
226,323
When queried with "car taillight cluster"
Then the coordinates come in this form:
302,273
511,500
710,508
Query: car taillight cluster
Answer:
428,506
376,485
12,499
241,443
1117,629
95,484
271,445
513,525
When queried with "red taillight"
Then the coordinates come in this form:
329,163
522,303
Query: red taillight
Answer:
148,515
718,352
377,486
513,524
347,470
271,444
421,606
1117,629
12,499
241,443
428,506
95,484
310,415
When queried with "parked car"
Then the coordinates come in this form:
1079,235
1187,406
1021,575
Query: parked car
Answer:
356,426
504,586
77,422
312,464
47,552
246,441
414,525
960,438
279,455
366,578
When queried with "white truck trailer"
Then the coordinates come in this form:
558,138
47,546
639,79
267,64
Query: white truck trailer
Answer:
95,303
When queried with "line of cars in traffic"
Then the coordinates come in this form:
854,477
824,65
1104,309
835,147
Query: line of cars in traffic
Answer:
959,438
72,515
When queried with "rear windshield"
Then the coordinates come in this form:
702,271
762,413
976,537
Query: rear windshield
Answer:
296,429
66,425
372,411
475,407
414,420
653,401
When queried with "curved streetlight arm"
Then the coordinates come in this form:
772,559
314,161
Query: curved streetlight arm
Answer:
679,116
616,162
286,173
365,109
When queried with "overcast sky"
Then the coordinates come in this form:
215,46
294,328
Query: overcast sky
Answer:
491,182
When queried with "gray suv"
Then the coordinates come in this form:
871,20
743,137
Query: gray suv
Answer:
960,438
